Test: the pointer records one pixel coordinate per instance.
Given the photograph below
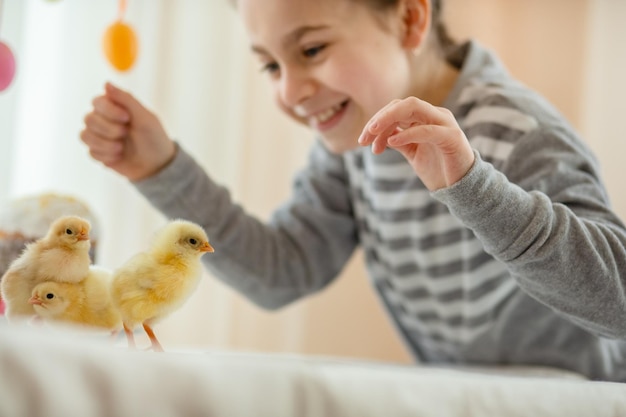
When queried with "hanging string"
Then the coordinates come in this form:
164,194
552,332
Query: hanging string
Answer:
121,9
1,4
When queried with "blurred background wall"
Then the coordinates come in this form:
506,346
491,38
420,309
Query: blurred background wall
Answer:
195,71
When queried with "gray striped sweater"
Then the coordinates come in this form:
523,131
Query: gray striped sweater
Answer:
520,262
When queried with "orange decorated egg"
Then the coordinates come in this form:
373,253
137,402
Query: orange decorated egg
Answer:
120,45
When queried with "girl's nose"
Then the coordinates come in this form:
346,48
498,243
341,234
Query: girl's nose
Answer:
295,86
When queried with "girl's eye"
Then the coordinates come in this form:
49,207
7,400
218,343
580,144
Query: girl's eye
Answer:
49,296
270,67
68,231
312,52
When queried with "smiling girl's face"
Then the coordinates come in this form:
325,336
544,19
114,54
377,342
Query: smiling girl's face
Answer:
332,63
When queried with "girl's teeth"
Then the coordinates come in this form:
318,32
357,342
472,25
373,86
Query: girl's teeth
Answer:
327,114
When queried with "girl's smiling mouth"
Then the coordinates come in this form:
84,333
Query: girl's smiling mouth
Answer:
328,118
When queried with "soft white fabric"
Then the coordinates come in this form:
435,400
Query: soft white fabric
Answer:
50,373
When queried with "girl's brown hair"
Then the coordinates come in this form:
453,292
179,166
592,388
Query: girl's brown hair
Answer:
443,38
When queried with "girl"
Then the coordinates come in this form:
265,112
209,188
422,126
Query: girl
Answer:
486,229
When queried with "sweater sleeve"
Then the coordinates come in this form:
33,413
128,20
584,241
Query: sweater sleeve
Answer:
546,215
300,250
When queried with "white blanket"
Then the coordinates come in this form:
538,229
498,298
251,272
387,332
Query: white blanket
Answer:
45,373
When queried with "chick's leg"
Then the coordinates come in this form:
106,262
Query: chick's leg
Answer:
113,335
156,346
129,337
36,321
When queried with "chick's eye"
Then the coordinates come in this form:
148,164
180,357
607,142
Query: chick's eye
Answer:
68,231
193,241
49,296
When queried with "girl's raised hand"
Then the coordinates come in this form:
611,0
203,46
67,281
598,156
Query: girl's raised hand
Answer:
125,136
428,136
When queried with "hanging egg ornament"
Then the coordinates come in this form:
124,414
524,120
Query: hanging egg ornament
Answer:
7,66
120,45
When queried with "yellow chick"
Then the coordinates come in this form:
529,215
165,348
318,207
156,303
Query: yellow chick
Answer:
153,284
62,255
85,303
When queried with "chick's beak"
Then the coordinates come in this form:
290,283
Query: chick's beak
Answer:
83,235
206,247
35,300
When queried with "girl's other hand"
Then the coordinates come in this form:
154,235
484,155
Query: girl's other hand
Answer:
126,137
428,136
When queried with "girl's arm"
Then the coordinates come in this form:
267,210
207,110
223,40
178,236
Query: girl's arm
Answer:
302,248
550,221
543,212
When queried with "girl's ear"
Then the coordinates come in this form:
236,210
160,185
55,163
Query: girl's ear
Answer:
416,17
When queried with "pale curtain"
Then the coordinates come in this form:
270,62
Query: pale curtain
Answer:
195,71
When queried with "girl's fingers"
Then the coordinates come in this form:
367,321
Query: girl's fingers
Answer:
400,115
123,100
406,113
368,135
109,110
407,121
106,159
103,127
379,143
434,134
101,146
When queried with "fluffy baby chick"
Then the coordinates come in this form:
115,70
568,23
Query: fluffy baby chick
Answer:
62,255
153,284
85,303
